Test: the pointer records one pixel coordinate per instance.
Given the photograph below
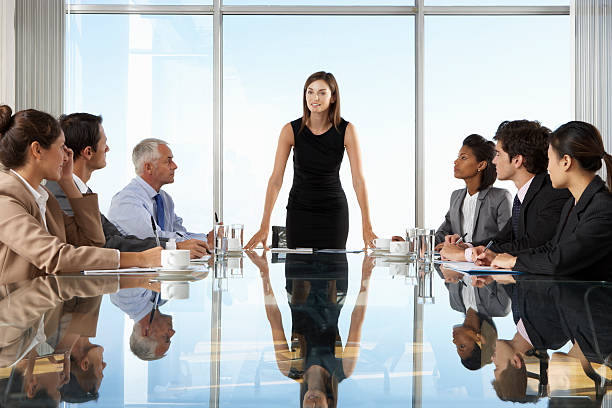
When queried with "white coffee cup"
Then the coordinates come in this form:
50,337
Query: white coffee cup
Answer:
174,290
382,243
175,258
399,248
233,244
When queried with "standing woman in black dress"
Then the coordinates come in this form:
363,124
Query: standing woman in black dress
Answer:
317,211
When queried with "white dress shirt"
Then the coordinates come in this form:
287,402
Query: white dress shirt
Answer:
80,184
40,196
468,210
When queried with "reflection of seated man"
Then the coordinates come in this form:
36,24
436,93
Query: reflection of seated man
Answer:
538,329
34,381
316,288
132,208
86,137
150,339
475,337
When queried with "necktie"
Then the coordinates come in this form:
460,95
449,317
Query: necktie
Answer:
516,212
159,216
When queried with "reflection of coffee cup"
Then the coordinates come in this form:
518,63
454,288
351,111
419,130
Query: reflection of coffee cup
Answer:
174,290
233,244
382,243
398,269
175,258
398,248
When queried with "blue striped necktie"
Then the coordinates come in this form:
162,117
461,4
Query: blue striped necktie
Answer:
159,216
516,212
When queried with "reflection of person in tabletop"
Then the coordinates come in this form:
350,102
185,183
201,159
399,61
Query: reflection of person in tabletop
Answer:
479,302
316,288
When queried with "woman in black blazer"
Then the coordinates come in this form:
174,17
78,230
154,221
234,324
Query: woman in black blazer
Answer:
491,206
584,235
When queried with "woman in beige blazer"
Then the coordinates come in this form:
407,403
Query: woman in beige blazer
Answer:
36,237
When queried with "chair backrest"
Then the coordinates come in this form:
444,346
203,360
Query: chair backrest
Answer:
279,236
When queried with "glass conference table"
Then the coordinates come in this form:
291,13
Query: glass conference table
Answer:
279,329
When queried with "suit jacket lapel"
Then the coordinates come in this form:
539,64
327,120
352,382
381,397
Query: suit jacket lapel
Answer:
534,188
481,197
456,211
576,210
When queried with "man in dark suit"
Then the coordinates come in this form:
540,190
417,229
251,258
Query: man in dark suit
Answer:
86,137
521,156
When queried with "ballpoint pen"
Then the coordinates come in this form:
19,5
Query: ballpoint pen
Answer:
155,231
461,238
155,306
488,246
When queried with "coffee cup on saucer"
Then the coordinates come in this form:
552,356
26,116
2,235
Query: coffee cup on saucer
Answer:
175,258
174,290
382,244
398,248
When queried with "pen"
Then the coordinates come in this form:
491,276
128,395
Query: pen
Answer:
216,218
488,246
155,306
461,238
155,231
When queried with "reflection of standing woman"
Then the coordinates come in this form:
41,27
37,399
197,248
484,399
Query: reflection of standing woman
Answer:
317,212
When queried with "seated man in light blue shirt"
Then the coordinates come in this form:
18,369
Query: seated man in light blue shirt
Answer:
132,208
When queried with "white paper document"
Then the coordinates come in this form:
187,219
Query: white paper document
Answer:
468,267
123,271
291,251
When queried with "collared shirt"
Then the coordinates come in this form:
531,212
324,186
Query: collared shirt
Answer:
468,210
468,293
132,208
80,184
135,302
522,192
40,196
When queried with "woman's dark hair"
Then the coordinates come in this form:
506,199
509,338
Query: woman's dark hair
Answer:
582,141
527,138
483,150
334,107
81,130
19,131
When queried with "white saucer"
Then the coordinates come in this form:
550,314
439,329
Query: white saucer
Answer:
174,271
234,253
403,257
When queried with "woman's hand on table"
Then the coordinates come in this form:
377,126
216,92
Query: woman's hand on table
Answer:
259,236
504,261
368,238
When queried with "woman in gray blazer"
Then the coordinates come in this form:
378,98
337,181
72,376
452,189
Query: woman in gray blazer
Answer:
477,210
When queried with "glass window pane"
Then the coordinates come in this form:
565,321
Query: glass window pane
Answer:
480,71
143,2
497,2
321,2
148,76
266,62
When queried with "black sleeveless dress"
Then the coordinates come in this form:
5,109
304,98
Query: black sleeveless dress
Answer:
317,211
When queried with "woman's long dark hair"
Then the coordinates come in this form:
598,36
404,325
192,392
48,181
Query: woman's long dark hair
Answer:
582,142
334,107
483,150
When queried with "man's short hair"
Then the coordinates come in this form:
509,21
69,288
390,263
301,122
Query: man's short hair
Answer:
146,152
527,138
81,130
512,384
143,347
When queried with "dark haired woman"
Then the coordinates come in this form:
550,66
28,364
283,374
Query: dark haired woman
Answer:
317,212
584,233
34,232
477,211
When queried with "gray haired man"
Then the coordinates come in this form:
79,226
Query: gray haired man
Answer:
133,207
